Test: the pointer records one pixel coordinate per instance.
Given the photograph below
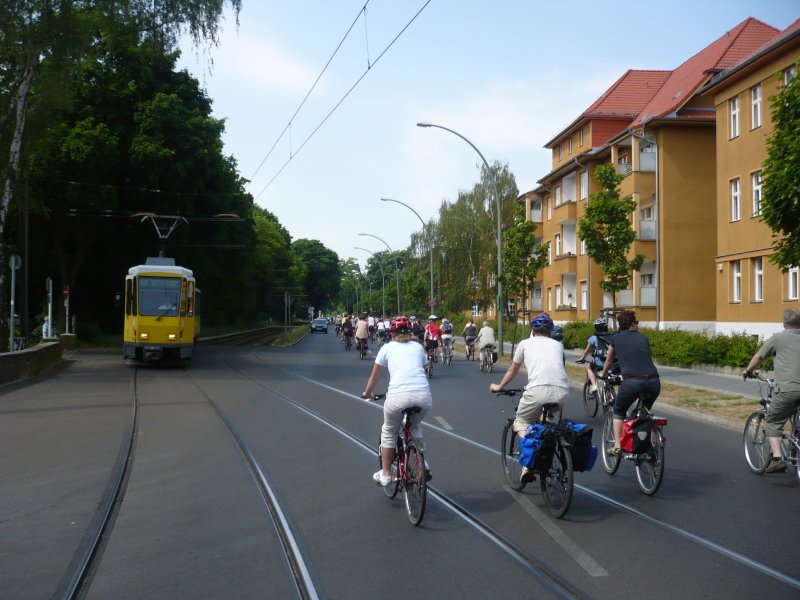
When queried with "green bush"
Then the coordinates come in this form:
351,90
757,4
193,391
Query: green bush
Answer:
577,333
88,331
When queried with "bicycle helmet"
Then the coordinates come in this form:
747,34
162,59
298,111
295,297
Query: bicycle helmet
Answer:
541,323
601,324
433,318
401,325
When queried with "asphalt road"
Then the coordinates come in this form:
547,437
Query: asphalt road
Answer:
192,523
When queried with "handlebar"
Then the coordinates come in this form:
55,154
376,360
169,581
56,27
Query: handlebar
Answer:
580,361
510,392
374,397
757,375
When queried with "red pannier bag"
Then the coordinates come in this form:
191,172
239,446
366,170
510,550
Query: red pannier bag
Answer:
636,435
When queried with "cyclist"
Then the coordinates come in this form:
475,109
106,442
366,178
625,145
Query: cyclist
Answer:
599,350
408,386
786,348
417,330
381,329
470,332
432,335
447,336
547,378
371,325
485,339
347,330
362,331
639,375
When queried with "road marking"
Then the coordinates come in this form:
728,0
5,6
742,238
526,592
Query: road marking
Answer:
444,423
581,557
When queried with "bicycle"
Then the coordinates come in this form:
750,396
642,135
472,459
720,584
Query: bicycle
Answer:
487,363
447,352
757,450
348,342
362,348
557,479
470,350
431,352
604,396
649,462
409,469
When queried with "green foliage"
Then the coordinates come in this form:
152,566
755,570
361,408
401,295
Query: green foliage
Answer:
606,230
781,187
576,334
323,275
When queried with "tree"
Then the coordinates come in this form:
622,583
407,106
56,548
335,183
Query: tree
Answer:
781,202
607,232
523,258
323,275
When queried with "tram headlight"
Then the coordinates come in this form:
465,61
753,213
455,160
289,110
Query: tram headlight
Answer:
172,337
144,336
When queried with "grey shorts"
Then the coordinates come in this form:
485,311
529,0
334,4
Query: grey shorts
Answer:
783,406
530,405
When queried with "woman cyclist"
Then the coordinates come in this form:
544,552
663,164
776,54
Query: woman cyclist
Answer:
447,337
408,386
432,335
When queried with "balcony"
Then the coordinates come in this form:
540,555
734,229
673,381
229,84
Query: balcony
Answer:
647,296
566,211
625,298
564,263
624,169
647,230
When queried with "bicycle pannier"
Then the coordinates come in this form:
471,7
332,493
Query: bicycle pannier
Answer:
636,435
536,449
494,357
579,437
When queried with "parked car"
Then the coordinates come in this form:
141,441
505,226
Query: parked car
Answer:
319,325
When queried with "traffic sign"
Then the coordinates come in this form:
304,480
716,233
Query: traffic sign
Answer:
431,302
66,292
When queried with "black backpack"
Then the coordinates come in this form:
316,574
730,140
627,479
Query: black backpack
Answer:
601,350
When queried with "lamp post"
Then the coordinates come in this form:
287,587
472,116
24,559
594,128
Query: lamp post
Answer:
499,233
383,282
431,301
396,268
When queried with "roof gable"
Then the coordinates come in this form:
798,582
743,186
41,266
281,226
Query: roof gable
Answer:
726,51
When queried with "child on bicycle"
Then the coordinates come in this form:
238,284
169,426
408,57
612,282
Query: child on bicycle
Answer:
598,348
408,386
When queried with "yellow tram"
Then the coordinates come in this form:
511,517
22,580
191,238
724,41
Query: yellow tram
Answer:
162,311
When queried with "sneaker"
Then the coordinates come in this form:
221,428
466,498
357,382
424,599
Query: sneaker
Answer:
381,479
592,389
527,475
776,465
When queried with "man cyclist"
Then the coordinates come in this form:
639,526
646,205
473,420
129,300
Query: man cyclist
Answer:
786,348
432,335
485,340
362,331
547,378
371,326
639,374
347,330
470,333
447,337
408,386
598,349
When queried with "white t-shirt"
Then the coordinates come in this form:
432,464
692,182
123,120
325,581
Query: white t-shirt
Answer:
371,321
486,337
406,362
544,360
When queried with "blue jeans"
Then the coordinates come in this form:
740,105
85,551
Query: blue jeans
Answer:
629,392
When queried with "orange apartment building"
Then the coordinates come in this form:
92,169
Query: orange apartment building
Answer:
659,131
751,292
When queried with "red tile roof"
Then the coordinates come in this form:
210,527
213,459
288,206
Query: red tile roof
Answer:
730,49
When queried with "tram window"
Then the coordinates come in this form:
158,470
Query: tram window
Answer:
190,301
183,297
159,296
130,296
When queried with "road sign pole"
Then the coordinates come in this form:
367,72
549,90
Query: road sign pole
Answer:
66,308
49,284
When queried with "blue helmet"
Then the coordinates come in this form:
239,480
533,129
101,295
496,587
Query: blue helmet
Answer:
542,322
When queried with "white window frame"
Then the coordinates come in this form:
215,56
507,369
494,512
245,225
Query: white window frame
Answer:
584,287
736,281
789,74
583,246
569,145
793,281
549,207
736,199
758,279
580,137
557,288
755,107
557,243
557,192
476,310
733,120
550,299
755,192
647,280
584,184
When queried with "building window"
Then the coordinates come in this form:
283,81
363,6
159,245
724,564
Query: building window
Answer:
756,193
584,184
584,296
569,145
558,295
558,244
647,280
646,213
758,279
550,299
583,246
733,113
549,254
561,151
580,137
476,310
736,281
789,74
755,107
794,283
735,199
558,195
549,207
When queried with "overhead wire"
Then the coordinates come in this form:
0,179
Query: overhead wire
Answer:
343,98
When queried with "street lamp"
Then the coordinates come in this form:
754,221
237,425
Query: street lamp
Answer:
396,268
431,302
499,234
383,281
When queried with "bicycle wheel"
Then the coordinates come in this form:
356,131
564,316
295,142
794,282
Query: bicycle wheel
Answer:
558,481
391,489
490,365
610,463
609,397
509,455
589,400
650,467
756,447
415,483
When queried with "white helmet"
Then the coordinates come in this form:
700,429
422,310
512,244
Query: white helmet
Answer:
433,318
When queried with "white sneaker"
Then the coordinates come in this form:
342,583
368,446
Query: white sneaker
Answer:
592,389
381,479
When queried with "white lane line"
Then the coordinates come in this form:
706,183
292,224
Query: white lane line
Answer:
581,557
723,551
444,423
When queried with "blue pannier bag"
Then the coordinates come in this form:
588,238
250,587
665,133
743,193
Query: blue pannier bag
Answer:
536,448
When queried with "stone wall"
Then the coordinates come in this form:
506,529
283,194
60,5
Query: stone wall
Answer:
31,361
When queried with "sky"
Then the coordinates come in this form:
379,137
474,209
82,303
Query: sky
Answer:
508,75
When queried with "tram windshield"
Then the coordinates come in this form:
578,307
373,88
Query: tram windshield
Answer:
159,296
